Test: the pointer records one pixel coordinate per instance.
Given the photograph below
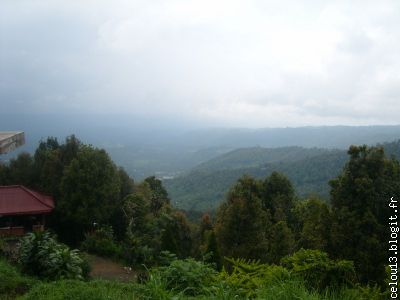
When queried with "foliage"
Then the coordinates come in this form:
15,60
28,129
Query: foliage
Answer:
11,281
83,180
80,290
210,250
247,276
287,290
360,201
205,188
41,255
253,222
318,270
309,170
187,276
312,221
143,243
241,222
80,206
298,289
184,279
101,242
176,235
278,196
152,230
281,241
158,195
166,258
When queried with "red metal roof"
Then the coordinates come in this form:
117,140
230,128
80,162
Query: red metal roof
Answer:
19,200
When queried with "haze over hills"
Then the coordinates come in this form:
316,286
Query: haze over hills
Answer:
166,148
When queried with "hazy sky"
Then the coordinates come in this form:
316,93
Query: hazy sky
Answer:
229,63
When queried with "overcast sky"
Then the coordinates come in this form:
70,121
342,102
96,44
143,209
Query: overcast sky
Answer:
229,63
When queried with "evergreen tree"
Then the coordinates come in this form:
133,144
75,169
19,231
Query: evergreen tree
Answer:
176,237
90,189
20,170
241,222
48,168
281,242
205,226
210,249
312,224
360,198
278,196
159,195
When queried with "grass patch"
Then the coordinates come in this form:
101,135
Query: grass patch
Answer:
12,283
80,290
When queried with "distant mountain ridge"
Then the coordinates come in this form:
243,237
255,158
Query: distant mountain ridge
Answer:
309,170
339,136
255,156
147,146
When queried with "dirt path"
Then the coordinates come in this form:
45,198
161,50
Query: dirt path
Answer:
106,269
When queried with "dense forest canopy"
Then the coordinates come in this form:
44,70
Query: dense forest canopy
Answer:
262,224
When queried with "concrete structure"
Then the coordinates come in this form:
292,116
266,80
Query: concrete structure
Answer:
11,140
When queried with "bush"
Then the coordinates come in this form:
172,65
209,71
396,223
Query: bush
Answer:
12,282
85,266
40,254
248,276
318,270
186,276
101,242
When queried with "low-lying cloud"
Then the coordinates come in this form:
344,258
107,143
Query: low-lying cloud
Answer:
234,63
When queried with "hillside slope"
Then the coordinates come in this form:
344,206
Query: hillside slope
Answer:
309,170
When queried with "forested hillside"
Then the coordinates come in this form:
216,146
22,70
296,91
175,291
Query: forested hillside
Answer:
265,242
309,170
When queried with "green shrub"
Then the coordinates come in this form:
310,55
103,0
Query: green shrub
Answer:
186,276
318,270
155,288
247,276
85,266
11,281
371,292
166,258
101,242
41,255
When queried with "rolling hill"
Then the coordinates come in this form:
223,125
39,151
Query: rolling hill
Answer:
309,169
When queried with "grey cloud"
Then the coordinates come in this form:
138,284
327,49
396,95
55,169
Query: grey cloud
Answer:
241,63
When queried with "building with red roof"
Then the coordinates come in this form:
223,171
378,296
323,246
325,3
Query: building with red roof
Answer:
22,210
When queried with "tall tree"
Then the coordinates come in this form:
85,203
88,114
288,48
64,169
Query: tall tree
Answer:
176,236
159,195
48,167
20,170
360,198
90,189
278,196
241,222
312,224
281,242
